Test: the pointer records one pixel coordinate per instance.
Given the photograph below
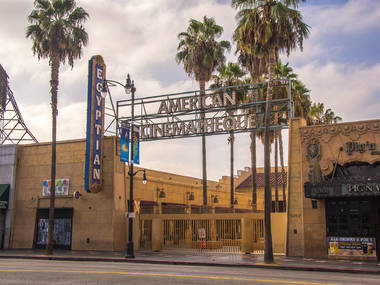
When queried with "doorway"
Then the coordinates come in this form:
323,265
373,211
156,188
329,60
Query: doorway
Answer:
62,228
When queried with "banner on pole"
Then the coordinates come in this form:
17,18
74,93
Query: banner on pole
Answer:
124,141
136,144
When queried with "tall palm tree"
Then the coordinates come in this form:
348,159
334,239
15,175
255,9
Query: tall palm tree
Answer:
58,34
281,71
277,28
231,75
254,61
201,54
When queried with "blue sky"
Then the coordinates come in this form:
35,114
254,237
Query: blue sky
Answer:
340,64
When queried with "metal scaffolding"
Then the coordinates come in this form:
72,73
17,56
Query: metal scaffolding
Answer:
13,129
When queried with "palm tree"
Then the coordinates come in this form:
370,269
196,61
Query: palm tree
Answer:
254,61
230,75
301,99
319,116
58,34
281,71
277,28
201,54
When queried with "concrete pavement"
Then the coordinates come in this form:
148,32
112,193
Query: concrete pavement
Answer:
206,258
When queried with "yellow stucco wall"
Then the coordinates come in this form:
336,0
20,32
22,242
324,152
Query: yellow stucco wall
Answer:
97,216
176,188
295,236
278,226
100,217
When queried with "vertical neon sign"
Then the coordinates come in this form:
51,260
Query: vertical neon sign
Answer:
95,125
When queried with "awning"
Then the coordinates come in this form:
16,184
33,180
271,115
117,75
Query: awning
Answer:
4,196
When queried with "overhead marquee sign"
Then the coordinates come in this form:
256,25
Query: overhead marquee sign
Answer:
95,125
189,114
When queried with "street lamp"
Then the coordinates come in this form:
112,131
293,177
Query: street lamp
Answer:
129,88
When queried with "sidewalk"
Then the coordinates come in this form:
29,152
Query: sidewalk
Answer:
204,258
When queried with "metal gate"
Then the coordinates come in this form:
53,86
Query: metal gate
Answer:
203,232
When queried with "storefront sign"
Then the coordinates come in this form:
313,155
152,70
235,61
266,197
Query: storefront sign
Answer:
361,188
95,125
354,189
351,246
61,187
352,147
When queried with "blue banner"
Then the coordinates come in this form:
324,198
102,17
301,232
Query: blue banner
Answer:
124,141
136,144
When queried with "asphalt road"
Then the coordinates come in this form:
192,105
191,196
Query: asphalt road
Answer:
20,271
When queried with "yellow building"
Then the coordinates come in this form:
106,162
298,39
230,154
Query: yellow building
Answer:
244,185
96,221
332,197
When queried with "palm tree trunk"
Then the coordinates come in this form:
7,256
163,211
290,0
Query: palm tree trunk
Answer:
276,171
54,92
253,152
282,170
231,139
268,247
202,84
253,167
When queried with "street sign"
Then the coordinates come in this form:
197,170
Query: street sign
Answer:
130,215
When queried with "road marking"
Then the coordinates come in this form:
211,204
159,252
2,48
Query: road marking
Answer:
163,275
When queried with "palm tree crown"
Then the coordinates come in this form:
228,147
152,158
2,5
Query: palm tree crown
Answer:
56,30
199,50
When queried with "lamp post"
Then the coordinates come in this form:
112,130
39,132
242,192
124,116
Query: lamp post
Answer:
129,87
130,248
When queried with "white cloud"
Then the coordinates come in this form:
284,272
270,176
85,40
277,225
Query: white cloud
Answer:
349,90
328,22
140,37
355,16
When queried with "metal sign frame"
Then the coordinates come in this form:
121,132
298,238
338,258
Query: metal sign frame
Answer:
190,115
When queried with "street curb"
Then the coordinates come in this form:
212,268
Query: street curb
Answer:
187,263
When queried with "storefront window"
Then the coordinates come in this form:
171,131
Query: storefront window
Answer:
350,218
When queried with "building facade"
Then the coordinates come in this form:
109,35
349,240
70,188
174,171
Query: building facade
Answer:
334,190
96,221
